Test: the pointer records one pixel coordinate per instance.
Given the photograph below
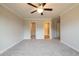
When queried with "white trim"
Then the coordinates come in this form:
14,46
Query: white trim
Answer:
37,39
70,46
10,47
37,19
26,39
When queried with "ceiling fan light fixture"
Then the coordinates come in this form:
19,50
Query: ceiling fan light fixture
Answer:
39,10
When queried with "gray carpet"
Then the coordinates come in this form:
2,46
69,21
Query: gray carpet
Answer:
40,48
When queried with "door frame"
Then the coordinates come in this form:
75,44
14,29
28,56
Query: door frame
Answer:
33,30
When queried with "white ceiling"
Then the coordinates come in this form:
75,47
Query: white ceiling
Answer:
23,9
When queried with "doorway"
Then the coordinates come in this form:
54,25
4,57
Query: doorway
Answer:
56,28
46,30
33,30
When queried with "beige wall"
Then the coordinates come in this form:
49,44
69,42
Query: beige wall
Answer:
27,29
70,28
11,29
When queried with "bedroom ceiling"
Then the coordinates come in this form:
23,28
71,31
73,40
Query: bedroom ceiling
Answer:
23,9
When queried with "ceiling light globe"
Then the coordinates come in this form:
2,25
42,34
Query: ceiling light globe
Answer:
39,10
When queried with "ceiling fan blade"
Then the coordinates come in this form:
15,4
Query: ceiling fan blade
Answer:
33,11
43,4
41,13
32,5
48,9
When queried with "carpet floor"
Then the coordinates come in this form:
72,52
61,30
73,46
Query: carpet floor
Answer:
40,48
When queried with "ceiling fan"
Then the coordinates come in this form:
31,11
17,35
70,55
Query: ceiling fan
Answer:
40,8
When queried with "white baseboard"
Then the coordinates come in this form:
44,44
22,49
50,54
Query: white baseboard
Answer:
69,46
37,39
27,39
34,39
9,47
